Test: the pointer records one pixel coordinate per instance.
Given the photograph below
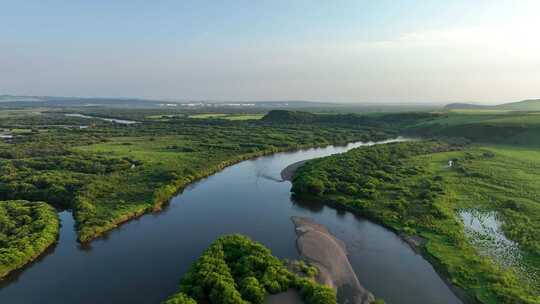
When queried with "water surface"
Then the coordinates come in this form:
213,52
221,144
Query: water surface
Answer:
142,261
120,121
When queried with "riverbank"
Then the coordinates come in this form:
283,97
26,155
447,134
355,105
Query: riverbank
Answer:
164,194
287,174
19,250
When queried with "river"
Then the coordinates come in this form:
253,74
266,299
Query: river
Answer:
143,260
115,120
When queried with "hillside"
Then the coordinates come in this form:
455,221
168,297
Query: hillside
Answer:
452,106
486,126
525,105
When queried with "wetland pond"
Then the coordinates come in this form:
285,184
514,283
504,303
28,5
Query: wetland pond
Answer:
484,231
143,260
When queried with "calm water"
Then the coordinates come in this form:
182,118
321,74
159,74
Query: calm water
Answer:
142,261
120,121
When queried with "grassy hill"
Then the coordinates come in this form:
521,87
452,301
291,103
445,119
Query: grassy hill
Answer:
525,105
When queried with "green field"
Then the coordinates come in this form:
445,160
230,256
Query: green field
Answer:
528,119
4,114
479,111
476,116
515,128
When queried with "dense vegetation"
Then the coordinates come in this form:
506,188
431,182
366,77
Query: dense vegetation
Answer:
26,230
410,188
384,120
109,173
237,270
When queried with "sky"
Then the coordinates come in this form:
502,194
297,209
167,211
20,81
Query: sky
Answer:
384,51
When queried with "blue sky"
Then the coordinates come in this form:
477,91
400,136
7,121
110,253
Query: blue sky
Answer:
347,51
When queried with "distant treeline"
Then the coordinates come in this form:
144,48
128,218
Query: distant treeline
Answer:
373,120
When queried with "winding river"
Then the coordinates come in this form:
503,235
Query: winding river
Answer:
143,260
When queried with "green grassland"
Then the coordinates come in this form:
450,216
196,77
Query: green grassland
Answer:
14,113
521,128
26,230
479,111
237,270
409,188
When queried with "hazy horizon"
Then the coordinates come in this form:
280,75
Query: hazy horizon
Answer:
347,52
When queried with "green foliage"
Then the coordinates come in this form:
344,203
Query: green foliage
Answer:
304,269
26,230
180,298
237,270
251,290
409,188
393,120
376,180
315,293
109,173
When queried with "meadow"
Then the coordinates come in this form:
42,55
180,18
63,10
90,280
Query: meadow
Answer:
481,126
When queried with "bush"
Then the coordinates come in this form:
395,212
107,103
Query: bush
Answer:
252,291
237,270
180,298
